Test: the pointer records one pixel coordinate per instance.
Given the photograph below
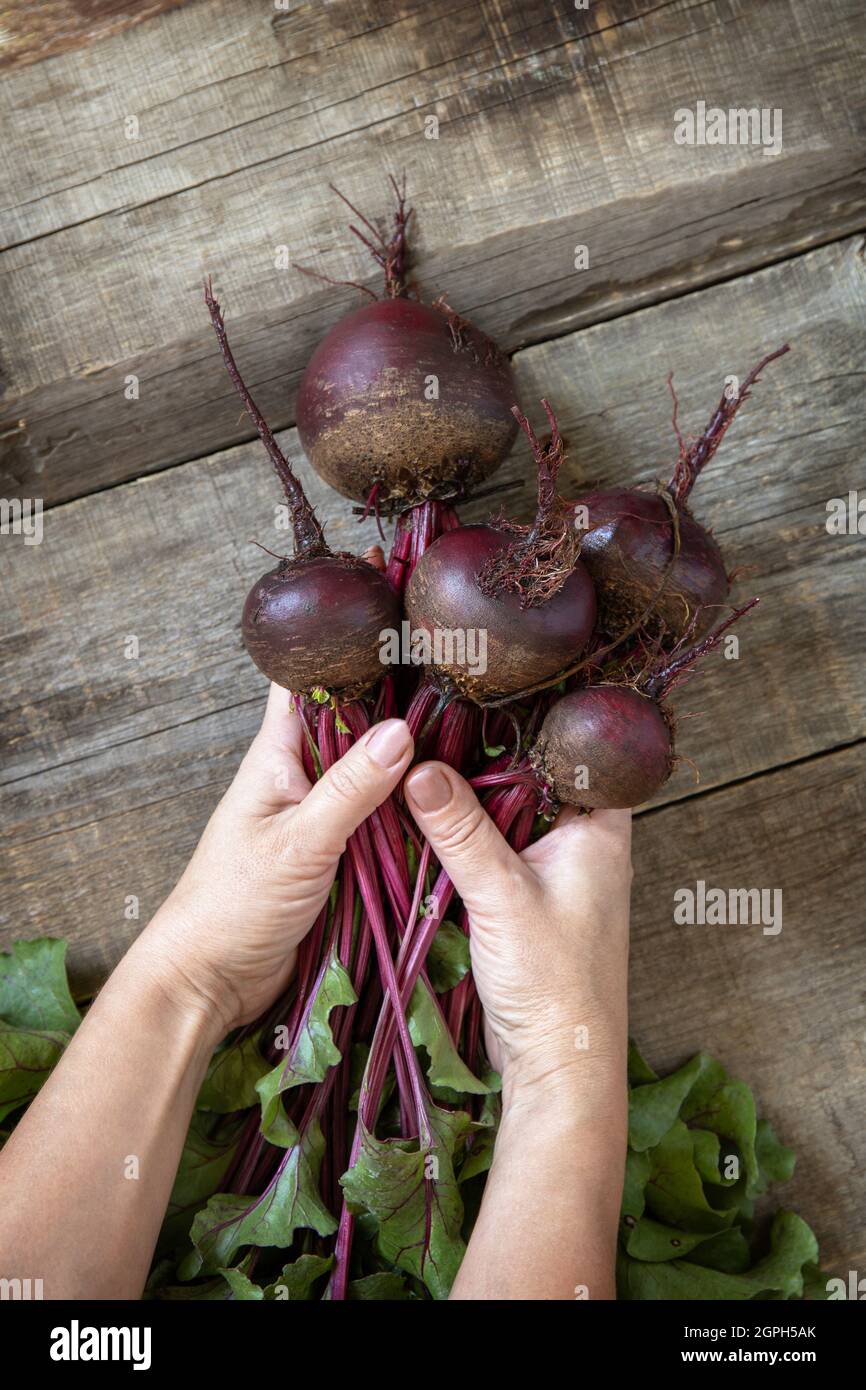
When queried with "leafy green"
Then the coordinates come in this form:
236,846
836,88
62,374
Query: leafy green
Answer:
294,1284
312,1052
34,992
698,1157
448,958
26,1059
232,1076
203,1165
412,1193
428,1029
290,1201
378,1287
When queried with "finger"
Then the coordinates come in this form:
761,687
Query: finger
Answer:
479,862
353,788
272,775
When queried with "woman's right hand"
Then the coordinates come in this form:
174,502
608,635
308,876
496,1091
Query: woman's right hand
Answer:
549,938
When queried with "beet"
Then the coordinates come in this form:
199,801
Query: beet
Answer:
314,623
522,586
629,545
610,746
524,644
627,551
363,413
619,736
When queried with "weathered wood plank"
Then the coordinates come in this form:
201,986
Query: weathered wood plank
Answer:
785,1012
556,128
31,30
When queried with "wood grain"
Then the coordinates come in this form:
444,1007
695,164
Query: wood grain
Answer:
555,130
31,30
112,763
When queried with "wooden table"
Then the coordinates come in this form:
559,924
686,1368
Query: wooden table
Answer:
201,139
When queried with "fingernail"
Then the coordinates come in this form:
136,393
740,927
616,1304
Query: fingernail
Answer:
429,789
389,742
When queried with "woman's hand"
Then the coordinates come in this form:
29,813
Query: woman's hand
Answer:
549,932
226,939
549,942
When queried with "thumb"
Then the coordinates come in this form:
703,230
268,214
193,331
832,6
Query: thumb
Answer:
475,856
350,790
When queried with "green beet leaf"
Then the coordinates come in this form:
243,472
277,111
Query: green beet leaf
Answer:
413,1195
483,1136
640,1073
290,1202
231,1078
26,1059
448,958
675,1191
637,1175
295,1284
650,1240
312,1052
203,1165
33,988
428,1029
653,1107
378,1288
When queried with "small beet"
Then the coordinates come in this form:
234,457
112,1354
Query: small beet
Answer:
604,747
523,587
316,624
627,550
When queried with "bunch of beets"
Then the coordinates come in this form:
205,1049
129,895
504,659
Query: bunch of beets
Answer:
377,1101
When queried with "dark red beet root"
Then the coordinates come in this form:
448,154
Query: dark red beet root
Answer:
524,644
316,624
604,747
521,586
627,551
630,541
403,401
364,419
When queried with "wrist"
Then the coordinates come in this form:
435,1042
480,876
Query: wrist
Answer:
579,1086
195,1002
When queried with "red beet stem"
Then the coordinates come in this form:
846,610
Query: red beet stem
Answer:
693,459
309,537
661,681
392,255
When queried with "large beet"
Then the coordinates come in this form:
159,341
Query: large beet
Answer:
524,645
394,399
404,401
